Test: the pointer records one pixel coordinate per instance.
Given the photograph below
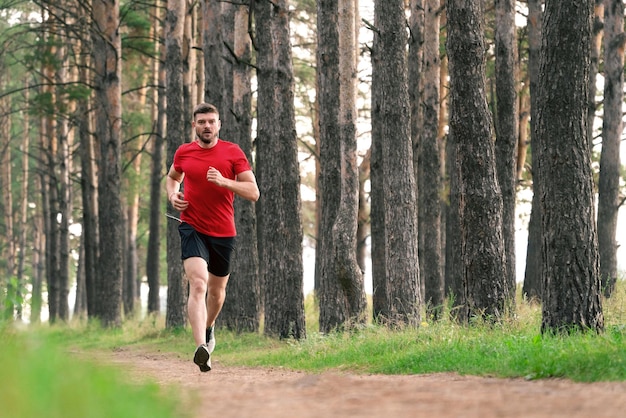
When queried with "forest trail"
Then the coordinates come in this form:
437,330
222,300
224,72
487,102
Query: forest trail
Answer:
274,392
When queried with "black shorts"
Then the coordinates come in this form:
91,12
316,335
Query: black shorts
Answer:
216,251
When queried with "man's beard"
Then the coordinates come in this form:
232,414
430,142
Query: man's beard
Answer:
204,140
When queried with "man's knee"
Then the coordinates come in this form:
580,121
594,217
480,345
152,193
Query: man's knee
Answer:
197,286
217,287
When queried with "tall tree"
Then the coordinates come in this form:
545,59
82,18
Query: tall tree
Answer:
212,51
596,53
571,293
7,249
176,134
189,55
395,267
480,203
532,275
341,292
156,163
88,179
429,173
107,104
594,65
63,168
22,226
278,210
451,242
38,259
453,271
138,51
612,127
243,311
49,167
507,128
416,99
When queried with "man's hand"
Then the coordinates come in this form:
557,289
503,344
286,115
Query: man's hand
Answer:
178,201
213,175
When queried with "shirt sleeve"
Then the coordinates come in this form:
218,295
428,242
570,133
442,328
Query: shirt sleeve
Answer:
176,161
241,163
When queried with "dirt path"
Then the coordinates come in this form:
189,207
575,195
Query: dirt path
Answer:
259,393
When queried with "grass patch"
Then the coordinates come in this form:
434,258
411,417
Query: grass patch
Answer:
39,379
511,349
482,351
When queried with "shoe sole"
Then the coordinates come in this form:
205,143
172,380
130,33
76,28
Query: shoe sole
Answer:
202,358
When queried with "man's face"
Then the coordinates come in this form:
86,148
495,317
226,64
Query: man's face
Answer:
207,127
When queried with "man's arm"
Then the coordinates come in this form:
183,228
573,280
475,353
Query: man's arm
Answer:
172,186
244,185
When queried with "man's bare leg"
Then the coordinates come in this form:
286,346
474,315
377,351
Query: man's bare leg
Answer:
214,302
215,298
198,277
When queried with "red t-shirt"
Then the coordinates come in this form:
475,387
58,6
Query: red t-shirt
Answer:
210,209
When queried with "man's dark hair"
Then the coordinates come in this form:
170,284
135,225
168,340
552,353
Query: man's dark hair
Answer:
205,108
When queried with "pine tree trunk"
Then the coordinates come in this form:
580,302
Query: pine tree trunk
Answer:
430,168
23,207
453,274
363,217
507,118
38,259
278,210
53,243
176,288
189,56
341,293
7,243
394,213
89,193
480,204
156,176
416,79
212,48
107,104
571,280
242,313
594,65
612,127
532,276
63,159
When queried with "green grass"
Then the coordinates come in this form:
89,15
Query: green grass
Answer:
514,348
506,351
39,378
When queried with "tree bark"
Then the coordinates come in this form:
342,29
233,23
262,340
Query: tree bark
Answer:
6,209
212,47
594,65
63,160
278,210
570,276
341,292
107,104
89,190
242,313
480,204
416,80
531,289
22,227
430,168
395,261
507,118
612,127
157,173
175,316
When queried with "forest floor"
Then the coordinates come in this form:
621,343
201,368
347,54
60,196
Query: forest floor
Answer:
275,392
